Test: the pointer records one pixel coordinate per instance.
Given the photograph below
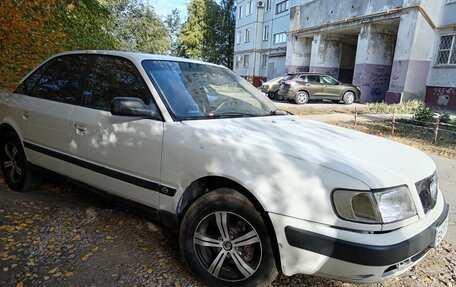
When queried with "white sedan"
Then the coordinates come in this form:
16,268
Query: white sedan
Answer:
249,189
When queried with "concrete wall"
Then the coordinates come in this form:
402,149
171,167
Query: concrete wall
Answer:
441,83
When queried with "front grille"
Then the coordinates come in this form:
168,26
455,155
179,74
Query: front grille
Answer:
424,190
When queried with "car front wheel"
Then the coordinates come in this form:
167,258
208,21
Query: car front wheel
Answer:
15,167
302,97
224,241
349,98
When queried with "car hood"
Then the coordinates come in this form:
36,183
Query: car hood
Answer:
373,160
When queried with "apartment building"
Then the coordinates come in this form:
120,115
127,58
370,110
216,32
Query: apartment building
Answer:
394,50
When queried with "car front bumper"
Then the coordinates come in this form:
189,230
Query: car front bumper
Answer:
310,248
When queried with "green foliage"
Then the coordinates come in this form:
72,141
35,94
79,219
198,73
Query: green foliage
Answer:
445,118
137,27
424,114
86,24
408,107
208,33
173,23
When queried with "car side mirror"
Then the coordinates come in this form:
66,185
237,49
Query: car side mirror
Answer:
133,107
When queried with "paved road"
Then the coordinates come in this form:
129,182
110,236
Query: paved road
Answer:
446,169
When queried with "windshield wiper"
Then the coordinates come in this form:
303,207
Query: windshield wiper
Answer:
278,112
232,115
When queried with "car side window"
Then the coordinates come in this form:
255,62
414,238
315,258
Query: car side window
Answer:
112,77
329,80
26,87
313,79
62,79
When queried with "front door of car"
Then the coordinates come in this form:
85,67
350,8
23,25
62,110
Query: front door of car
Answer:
331,87
119,154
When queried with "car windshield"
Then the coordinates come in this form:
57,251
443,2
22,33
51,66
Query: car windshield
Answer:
201,91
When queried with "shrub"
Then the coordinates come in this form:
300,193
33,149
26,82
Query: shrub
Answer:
408,107
424,114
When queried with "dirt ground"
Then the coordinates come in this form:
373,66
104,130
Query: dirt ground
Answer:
64,236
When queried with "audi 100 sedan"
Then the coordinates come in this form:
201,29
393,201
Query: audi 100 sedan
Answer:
250,189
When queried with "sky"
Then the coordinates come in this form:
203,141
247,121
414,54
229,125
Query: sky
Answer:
164,7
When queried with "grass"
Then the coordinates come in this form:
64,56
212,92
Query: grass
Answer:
408,107
416,136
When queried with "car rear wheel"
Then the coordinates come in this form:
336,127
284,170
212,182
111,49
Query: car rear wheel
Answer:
349,98
15,167
272,95
302,97
224,241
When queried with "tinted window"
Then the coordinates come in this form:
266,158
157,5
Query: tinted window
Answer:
62,80
26,87
329,80
313,79
112,77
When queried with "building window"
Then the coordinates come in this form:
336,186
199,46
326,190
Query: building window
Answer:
280,38
238,61
266,33
247,35
238,37
447,50
240,12
246,61
249,7
264,60
282,7
268,5
450,1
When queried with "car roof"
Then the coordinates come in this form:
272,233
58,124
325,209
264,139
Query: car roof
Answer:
135,56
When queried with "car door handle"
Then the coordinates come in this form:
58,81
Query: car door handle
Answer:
80,129
25,115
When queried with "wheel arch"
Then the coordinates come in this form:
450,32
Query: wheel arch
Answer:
207,184
7,127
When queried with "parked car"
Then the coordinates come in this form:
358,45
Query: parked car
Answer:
312,86
271,87
250,189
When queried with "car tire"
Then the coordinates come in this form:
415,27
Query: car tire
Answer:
279,97
272,96
224,241
17,171
335,101
349,98
302,97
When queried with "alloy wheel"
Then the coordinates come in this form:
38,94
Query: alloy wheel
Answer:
227,246
12,162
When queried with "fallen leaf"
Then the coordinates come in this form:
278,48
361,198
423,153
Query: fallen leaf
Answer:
5,269
87,256
77,237
69,274
95,249
52,271
427,280
150,270
20,284
46,277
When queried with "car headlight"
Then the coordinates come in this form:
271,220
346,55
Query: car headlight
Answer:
383,206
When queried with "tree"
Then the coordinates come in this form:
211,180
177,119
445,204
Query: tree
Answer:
194,30
31,31
173,23
208,33
137,27
226,32
27,35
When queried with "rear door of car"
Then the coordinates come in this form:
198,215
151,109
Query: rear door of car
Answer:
51,94
313,86
119,154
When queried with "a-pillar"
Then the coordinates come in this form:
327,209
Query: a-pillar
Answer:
412,59
374,58
298,54
326,55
